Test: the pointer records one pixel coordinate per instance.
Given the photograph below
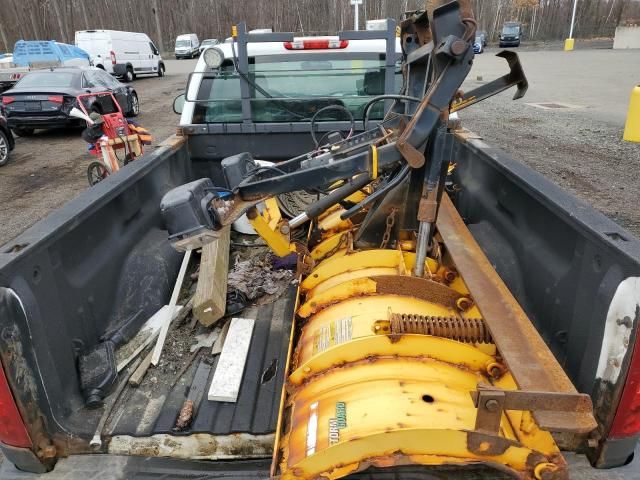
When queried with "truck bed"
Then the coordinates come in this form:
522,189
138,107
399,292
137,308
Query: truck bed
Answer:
78,272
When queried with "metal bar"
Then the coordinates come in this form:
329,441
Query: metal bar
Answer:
270,37
539,401
422,245
573,18
515,77
243,66
390,61
363,35
524,351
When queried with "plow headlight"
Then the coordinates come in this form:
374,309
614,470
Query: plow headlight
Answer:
213,57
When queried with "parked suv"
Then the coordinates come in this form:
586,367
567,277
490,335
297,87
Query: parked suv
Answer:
511,34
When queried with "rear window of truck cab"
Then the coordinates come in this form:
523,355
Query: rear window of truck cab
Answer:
291,88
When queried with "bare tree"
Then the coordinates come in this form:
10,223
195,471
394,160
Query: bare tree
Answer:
165,19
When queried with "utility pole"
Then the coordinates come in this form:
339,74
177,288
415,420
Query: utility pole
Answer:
356,4
568,43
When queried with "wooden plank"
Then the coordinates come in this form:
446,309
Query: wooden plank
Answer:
211,293
217,347
174,300
136,377
148,333
530,361
228,375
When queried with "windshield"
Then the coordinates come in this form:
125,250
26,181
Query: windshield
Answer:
47,79
293,90
478,39
209,42
183,43
510,30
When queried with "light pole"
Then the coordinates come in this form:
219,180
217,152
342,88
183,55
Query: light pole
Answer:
568,43
356,4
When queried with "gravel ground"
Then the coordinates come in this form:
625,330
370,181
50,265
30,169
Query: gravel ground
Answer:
49,169
581,147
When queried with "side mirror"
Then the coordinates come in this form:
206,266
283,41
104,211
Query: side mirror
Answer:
178,104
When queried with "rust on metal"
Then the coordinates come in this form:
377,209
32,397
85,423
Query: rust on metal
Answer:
421,288
524,351
466,330
185,416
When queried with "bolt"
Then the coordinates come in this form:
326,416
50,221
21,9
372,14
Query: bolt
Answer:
284,229
449,276
464,303
458,47
492,405
545,471
626,321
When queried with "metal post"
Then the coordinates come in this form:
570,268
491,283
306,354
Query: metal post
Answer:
243,66
422,247
573,18
356,26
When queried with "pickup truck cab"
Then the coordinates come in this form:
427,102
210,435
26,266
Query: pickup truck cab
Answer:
74,278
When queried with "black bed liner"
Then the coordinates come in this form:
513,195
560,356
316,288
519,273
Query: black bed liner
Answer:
148,410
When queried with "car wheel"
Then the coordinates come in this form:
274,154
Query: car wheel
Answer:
135,105
129,76
4,148
23,131
161,70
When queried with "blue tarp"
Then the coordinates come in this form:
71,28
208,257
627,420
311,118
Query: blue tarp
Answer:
26,52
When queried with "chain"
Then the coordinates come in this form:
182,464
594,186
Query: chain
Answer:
344,239
391,221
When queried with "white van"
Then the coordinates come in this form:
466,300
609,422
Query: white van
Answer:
123,54
187,46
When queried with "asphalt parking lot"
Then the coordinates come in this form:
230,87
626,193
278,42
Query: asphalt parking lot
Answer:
569,125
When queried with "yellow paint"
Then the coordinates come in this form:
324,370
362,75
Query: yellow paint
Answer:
632,125
356,317
350,262
352,288
568,44
417,408
266,224
333,223
374,162
352,275
234,31
330,243
408,345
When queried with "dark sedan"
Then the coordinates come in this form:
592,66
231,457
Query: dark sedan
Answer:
6,141
44,98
